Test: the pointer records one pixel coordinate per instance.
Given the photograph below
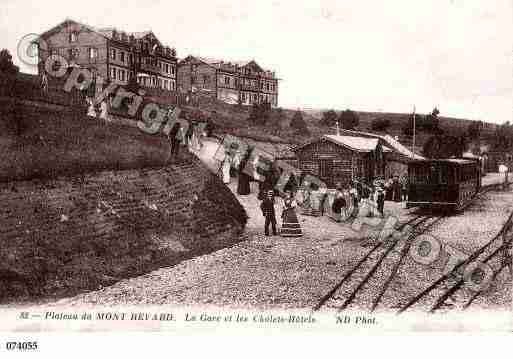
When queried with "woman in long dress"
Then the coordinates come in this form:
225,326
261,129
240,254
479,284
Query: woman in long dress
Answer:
243,185
227,164
290,224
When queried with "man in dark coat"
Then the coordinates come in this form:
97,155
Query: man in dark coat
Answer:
267,207
174,138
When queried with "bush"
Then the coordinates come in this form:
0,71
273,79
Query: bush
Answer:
380,124
349,119
260,114
329,118
298,122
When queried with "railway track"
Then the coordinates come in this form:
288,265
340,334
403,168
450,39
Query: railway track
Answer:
381,264
496,254
383,260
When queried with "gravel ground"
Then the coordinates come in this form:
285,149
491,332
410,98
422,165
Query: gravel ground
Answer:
277,273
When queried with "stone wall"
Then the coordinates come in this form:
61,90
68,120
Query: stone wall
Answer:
65,235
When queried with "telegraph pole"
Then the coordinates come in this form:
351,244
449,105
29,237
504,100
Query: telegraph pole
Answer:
413,145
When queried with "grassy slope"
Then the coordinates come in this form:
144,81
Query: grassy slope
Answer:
47,143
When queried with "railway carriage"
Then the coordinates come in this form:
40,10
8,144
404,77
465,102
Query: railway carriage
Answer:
443,183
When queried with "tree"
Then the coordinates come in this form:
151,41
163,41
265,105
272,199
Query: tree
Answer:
279,118
297,122
503,137
408,127
348,119
6,64
431,122
439,146
380,124
329,118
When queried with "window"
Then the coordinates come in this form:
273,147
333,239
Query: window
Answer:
172,70
243,97
113,73
226,80
93,53
113,54
122,75
167,68
205,79
122,56
73,37
255,97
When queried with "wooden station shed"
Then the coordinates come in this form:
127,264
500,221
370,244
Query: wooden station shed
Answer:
341,159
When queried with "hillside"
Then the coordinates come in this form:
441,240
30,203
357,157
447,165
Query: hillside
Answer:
450,126
233,119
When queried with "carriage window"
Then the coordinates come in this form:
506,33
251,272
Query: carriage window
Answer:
434,175
420,175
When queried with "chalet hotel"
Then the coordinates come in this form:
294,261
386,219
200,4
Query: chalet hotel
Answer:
114,55
119,56
243,82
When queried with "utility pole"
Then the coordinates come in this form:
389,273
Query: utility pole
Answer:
413,145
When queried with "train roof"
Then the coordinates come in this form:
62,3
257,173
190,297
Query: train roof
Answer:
458,161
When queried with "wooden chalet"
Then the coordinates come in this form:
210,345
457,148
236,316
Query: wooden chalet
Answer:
341,159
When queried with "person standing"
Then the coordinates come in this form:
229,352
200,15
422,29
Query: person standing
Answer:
267,207
174,139
290,226
243,185
404,187
225,168
396,189
380,200
353,192
339,203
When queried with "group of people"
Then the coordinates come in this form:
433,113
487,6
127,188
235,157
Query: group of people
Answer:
397,188
191,138
290,226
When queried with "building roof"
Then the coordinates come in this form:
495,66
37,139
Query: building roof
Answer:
223,64
391,143
105,32
358,144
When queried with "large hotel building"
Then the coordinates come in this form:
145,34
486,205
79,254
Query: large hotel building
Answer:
114,55
243,82
119,56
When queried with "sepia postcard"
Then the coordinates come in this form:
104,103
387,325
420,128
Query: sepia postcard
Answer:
291,166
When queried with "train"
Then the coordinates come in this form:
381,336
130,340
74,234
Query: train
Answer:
448,184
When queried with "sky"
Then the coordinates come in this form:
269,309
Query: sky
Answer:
363,55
